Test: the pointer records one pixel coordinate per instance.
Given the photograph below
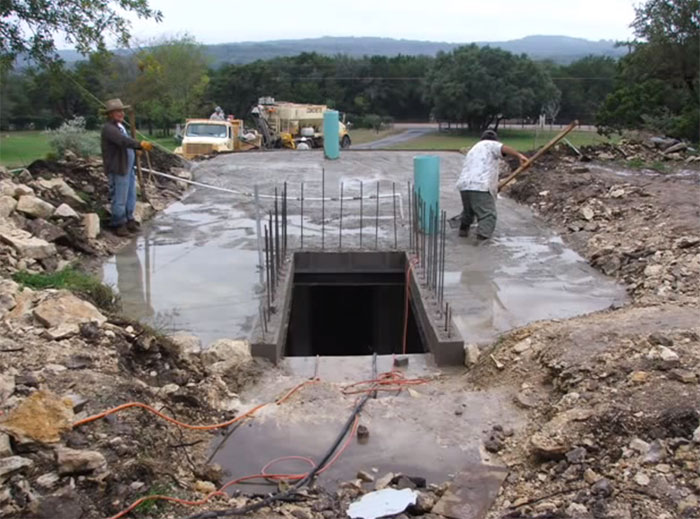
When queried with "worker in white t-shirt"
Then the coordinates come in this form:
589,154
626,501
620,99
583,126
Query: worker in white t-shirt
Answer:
478,184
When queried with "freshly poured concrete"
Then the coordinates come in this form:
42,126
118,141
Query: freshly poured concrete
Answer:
202,252
432,431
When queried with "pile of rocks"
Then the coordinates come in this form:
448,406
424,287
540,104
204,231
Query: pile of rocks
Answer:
52,211
646,150
61,360
642,229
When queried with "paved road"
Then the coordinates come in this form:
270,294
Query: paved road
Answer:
392,140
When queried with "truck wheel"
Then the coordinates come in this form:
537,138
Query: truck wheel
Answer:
345,142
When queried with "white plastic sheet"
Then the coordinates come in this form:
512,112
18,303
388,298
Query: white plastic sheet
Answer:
382,503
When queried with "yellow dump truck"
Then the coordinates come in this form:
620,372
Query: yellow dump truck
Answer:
293,125
210,137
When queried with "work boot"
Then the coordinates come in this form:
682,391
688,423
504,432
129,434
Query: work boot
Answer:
463,231
133,226
121,230
480,238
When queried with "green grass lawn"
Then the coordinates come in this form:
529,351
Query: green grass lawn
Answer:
18,149
522,140
363,135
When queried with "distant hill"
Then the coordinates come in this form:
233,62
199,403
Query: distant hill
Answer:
560,49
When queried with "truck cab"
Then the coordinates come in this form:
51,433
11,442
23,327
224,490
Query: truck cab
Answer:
210,137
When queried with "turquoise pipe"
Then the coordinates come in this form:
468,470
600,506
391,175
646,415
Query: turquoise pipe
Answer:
426,184
331,134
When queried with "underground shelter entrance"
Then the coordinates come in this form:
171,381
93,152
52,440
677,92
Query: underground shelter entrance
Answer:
351,304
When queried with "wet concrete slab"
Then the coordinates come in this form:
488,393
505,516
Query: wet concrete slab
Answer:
434,431
195,265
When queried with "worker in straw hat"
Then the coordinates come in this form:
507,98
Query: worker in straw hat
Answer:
478,184
118,157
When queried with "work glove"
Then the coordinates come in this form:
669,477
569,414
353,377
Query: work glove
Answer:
147,146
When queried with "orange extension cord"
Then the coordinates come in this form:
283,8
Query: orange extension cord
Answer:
147,407
262,475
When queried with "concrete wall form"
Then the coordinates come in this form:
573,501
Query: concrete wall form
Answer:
447,349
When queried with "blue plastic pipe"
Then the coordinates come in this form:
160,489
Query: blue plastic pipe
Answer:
426,184
331,134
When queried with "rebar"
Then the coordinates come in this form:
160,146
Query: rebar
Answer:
340,224
376,221
393,191
361,208
302,217
323,207
436,263
268,281
273,276
258,232
442,259
277,234
410,218
284,221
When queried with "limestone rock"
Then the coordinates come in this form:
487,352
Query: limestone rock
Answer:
65,308
234,353
13,464
34,207
143,211
73,461
7,386
91,222
44,230
47,481
7,206
40,417
185,344
5,447
522,346
8,293
696,435
7,188
23,190
58,185
384,481
471,354
65,211
204,487
587,213
25,244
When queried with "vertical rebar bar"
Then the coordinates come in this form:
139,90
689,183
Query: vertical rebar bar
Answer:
258,231
442,258
284,221
277,234
436,263
447,314
362,201
410,217
302,216
393,192
268,281
323,207
273,276
340,224
449,322
376,221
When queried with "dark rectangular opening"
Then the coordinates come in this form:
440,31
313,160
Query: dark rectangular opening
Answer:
350,308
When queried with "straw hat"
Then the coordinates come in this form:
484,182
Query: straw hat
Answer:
114,104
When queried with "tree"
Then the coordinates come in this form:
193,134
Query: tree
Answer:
481,86
171,83
30,26
658,86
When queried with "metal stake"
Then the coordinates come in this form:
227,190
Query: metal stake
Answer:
340,225
323,207
376,221
393,191
361,207
258,232
277,234
267,270
284,221
302,216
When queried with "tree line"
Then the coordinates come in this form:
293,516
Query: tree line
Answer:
654,87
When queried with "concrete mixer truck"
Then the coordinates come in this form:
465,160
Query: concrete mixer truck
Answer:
293,125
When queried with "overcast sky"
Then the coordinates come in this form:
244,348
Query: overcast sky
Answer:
222,21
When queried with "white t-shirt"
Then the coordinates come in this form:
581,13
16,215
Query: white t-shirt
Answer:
481,167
